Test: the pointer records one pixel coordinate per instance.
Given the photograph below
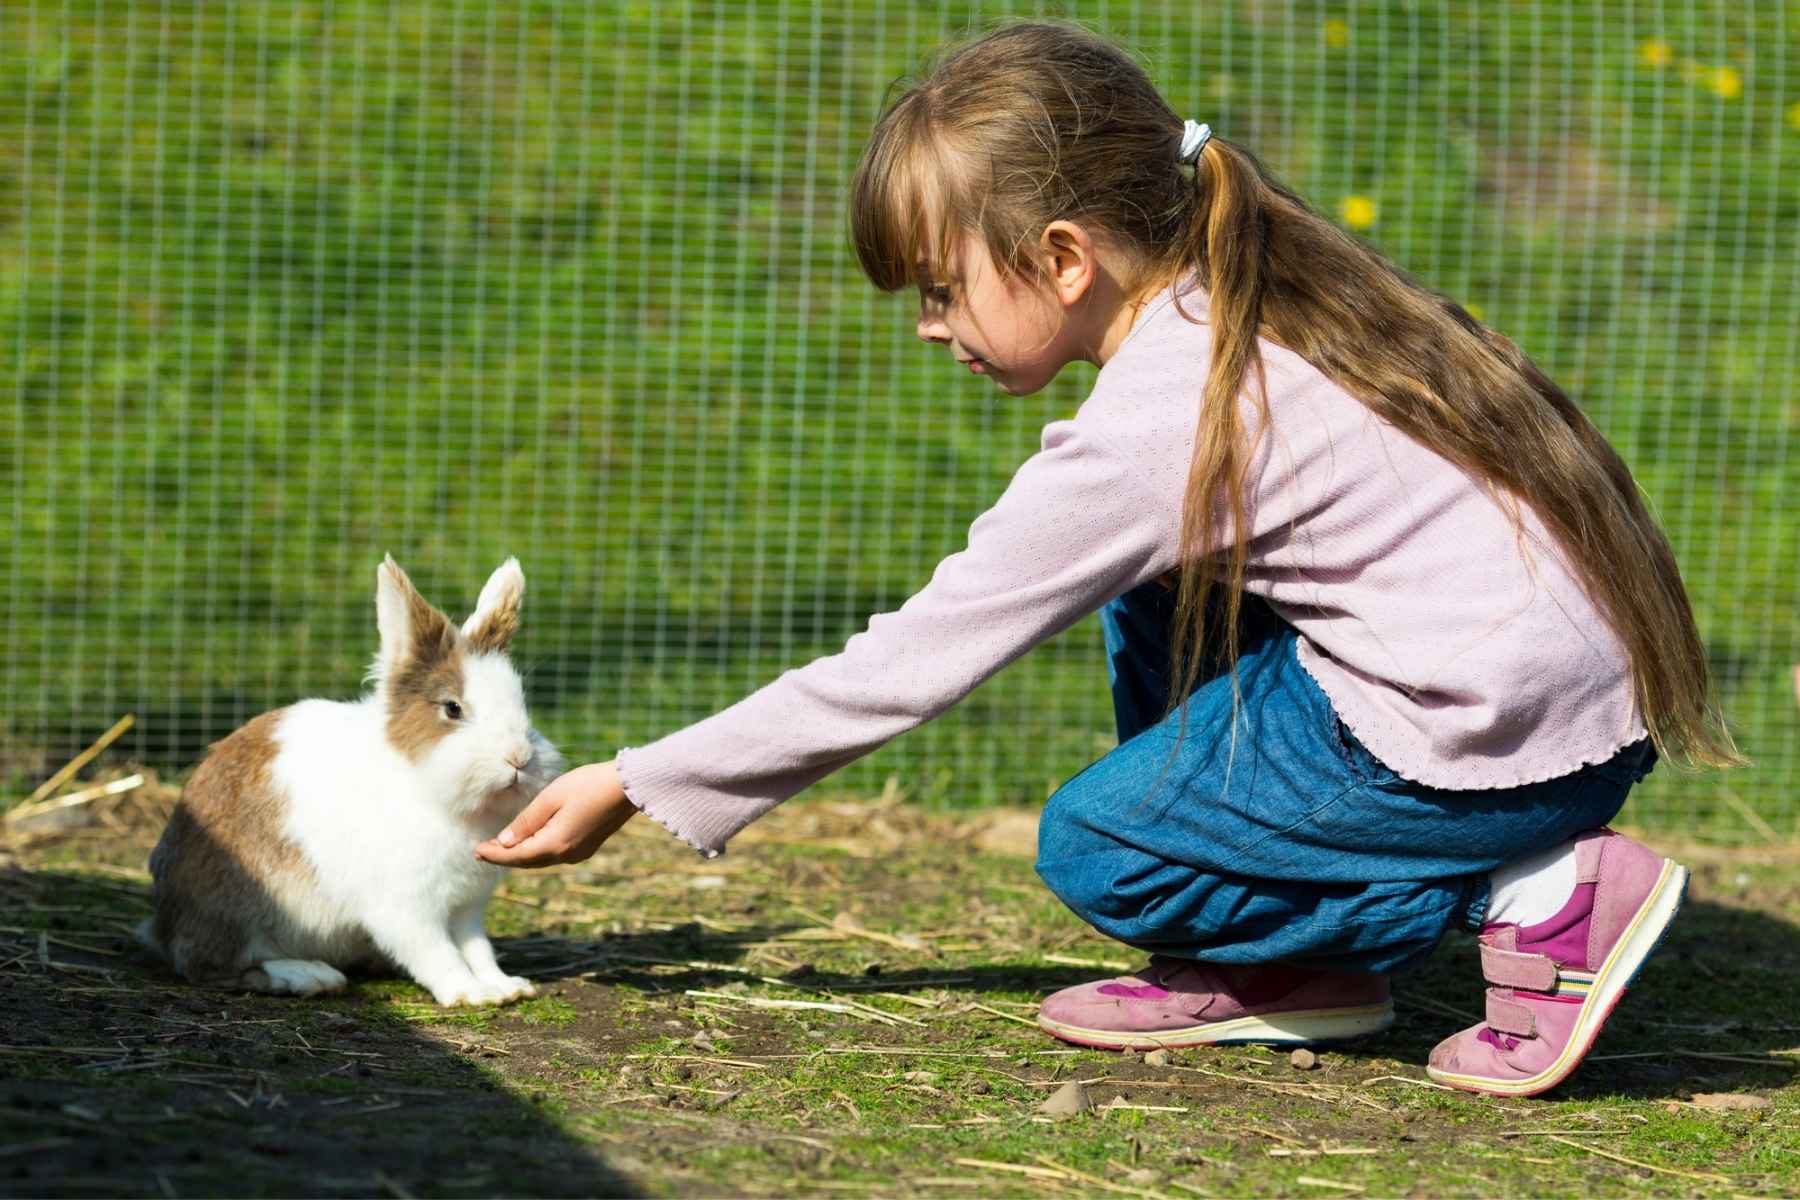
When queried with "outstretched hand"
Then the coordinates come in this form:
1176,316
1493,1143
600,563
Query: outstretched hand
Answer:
567,821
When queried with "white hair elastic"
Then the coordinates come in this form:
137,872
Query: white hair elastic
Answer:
1194,137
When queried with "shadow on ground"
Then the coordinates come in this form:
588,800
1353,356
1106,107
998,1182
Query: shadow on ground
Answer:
120,1080
116,1078
1710,1012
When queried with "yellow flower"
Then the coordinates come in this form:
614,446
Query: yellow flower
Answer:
1655,53
1337,33
1725,82
1358,212
1794,115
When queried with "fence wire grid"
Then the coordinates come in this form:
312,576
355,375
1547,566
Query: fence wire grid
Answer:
286,285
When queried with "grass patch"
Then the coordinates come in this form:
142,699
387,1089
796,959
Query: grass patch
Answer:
284,280
672,1051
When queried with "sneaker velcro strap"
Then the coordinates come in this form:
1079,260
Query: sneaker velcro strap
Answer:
1509,968
1509,1016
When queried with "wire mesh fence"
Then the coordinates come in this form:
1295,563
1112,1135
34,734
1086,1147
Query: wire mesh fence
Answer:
288,285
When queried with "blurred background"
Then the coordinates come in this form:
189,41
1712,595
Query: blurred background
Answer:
287,285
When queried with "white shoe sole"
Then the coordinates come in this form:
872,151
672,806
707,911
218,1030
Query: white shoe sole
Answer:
1275,1029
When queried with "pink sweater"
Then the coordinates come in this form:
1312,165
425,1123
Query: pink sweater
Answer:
1459,656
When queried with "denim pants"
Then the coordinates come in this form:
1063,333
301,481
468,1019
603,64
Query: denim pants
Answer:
1289,841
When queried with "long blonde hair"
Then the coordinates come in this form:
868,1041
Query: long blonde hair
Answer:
1038,122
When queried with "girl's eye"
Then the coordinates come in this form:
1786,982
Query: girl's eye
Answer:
937,293
453,710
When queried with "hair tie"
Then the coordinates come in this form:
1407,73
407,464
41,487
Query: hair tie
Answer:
1194,137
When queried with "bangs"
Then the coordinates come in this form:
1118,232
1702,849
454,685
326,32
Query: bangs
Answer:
902,208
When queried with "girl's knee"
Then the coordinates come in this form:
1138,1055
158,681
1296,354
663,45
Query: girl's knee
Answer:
1066,824
1070,849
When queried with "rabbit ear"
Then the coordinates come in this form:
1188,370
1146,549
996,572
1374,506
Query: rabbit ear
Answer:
496,618
411,630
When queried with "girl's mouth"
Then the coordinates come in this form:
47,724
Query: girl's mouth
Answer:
976,366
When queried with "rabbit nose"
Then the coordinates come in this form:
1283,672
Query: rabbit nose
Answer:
518,760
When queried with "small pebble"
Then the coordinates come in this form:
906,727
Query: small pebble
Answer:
1067,1101
1303,1059
1142,1177
1157,1058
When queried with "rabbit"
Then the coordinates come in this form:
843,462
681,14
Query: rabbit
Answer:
334,834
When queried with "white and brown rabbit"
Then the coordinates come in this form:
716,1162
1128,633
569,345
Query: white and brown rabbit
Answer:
332,834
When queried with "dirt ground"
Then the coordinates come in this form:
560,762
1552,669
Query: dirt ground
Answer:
840,1006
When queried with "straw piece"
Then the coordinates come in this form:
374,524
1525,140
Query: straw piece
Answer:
117,786
1750,815
81,760
850,1007
1096,1181
1008,1016
1018,1168
1270,1133
845,923
1632,1162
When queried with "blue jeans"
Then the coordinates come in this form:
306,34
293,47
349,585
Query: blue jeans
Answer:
1301,846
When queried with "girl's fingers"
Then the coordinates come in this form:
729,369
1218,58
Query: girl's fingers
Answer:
532,852
520,843
531,819
540,848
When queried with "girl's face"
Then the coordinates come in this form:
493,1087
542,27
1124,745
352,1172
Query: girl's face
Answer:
1001,326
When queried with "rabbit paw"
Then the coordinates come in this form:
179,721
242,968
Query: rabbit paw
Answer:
517,987
294,976
472,992
493,989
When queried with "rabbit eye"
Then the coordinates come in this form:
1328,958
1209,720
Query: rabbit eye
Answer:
453,710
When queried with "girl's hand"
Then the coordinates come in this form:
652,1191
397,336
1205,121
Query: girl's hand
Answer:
567,821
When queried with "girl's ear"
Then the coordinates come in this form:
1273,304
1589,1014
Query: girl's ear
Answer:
1067,251
496,617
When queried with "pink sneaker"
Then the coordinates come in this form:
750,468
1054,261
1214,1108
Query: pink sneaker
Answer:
1557,982
1179,1002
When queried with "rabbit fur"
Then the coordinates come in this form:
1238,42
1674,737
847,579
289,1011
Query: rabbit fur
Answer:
334,834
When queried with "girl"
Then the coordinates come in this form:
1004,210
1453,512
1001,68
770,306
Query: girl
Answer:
1389,631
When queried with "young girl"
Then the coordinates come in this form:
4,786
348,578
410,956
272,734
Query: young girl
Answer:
1389,631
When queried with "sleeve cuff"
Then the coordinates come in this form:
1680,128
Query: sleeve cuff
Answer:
657,812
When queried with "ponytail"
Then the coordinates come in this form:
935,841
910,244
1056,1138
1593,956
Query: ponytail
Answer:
1084,135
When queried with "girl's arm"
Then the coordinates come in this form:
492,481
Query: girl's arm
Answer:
1077,525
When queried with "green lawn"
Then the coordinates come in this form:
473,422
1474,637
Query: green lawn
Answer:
284,286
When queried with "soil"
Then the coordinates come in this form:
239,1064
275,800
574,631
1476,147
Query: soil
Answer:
670,1053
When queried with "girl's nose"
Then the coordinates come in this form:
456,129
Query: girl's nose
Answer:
932,328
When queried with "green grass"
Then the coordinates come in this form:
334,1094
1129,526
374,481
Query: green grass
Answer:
284,286
620,1079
